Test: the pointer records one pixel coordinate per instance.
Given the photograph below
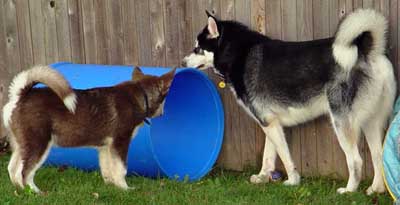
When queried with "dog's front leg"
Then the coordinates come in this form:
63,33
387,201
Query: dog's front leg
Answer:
112,166
268,163
274,132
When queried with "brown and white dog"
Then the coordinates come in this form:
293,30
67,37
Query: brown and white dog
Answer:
105,118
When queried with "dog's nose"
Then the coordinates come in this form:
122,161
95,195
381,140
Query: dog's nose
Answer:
183,63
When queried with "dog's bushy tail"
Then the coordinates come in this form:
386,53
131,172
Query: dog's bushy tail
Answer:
361,33
25,80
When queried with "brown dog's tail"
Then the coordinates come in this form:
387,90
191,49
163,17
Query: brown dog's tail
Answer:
25,80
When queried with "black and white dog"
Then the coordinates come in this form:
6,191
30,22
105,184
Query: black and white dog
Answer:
287,83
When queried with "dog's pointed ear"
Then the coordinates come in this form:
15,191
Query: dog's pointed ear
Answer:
137,74
212,27
167,79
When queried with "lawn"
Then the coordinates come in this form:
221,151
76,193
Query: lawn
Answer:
69,186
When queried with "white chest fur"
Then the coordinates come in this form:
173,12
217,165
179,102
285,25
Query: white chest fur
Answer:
288,116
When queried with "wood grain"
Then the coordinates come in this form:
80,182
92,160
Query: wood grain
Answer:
162,32
88,25
37,32
157,32
50,31
76,31
62,28
102,32
171,22
144,32
131,41
4,69
306,132
24,33
115,31
185,30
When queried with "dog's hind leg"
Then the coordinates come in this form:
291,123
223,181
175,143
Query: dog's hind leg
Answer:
15,161
373,131
347,133
268,163
32,161
275,133
13,168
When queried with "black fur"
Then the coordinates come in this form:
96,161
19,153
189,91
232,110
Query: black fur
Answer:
288,73
342,93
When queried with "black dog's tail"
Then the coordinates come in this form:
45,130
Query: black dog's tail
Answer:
361,33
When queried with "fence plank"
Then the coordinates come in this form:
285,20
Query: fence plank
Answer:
306,132
50,31
357,4
144,33
185,32
171,24
12,42
89,31
37,29
115,31
258,15
199,18
157,32
231,156
4,68
102,32
368,4
131,45
393,37
24,34
11,54
289,33
76,32
62,25
322,27
334,14
377,4
228,9
273,19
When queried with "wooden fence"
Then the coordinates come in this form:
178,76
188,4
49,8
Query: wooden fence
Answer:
161,32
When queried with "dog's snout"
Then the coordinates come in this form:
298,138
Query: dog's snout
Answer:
183,63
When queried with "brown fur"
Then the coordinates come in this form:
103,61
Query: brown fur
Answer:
104,118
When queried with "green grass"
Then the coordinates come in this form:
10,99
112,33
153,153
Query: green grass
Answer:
221,187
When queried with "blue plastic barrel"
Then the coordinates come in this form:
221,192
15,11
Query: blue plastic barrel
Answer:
182,144
391,156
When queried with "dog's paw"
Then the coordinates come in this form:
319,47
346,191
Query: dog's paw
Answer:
343,190
293,179
259,178
372,189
